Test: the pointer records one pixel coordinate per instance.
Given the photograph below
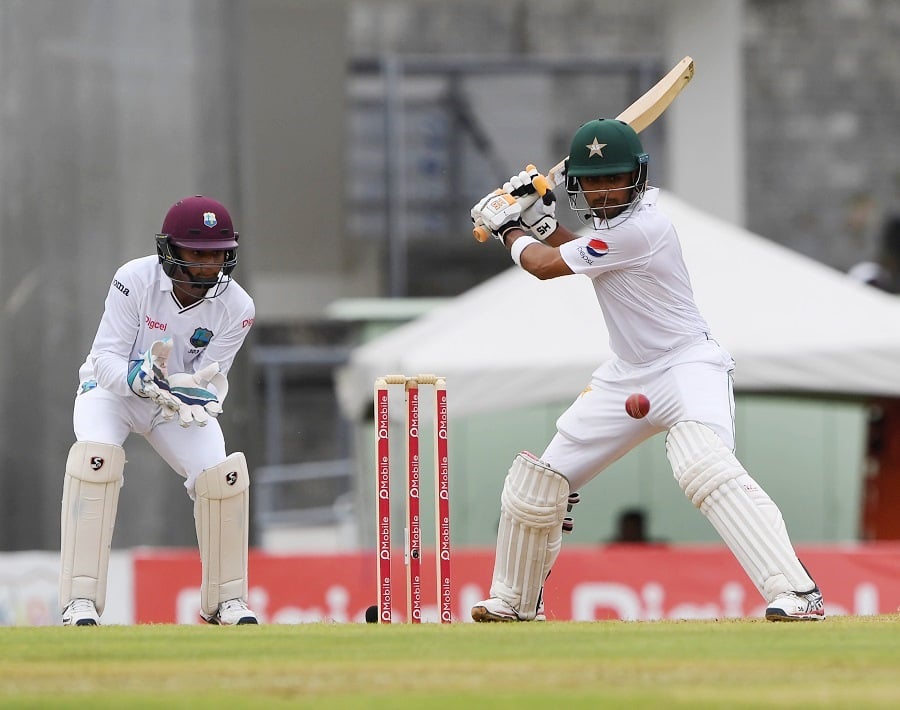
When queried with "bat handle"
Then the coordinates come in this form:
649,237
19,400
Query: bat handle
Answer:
541,185
540,182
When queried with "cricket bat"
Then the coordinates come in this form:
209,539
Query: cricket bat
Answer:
639,115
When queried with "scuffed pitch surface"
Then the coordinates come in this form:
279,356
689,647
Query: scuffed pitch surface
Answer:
842,662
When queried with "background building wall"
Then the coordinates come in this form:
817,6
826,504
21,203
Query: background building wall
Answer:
823,97
109,113
110,110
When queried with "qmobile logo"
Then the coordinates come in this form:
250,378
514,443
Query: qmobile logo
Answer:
384,477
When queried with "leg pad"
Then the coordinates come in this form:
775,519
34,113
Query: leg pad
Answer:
739,509
89,502
529,538
222,515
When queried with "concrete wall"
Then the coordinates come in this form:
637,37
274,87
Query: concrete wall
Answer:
110,110
812,88
293,66
706,127
109,113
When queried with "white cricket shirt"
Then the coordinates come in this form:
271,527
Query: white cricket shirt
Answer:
641,282
141,308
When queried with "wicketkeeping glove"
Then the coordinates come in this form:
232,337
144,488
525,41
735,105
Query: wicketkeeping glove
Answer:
196,402
538,211
499,212
148,376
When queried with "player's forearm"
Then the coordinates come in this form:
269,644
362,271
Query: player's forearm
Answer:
560,236
111,372
539,260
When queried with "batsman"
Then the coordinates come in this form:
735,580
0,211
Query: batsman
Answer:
663,348
172,326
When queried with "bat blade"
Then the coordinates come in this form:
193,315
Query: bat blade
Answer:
651,105
641,114
645,110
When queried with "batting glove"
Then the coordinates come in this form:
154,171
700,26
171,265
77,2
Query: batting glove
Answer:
538,211
499,212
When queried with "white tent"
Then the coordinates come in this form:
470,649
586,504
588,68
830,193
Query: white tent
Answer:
792,324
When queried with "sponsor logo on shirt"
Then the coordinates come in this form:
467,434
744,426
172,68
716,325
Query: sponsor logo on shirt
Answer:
122,287
584,257
155,324
597,248
201,337
247,322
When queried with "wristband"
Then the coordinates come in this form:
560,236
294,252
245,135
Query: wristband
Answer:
520,245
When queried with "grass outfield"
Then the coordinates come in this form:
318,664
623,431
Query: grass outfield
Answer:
845,662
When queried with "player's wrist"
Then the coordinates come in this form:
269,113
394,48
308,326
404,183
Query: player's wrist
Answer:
509,235
520,245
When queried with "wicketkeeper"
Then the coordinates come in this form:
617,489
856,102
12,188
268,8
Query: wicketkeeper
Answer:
663,348
172,326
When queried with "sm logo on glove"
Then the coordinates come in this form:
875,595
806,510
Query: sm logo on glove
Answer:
499,203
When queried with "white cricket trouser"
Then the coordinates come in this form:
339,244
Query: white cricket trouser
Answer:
692,383
107,418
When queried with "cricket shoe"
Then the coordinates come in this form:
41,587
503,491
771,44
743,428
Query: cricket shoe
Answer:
495,609
797,606
234,612
80,612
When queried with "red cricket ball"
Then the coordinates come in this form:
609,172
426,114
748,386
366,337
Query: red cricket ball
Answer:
637,405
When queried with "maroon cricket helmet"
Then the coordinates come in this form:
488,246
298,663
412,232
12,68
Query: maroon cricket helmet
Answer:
200,223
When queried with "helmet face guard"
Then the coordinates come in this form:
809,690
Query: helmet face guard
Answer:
202,224
605,147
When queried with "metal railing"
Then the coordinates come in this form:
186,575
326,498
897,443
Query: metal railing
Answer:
275,503
305,493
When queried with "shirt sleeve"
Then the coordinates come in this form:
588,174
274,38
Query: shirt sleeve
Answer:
621,247
116,335
225,346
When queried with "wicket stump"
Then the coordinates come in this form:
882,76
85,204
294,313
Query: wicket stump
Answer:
412,531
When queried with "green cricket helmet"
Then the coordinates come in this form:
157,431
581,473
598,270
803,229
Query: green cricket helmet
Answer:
605,146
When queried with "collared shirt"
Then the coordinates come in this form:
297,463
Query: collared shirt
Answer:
141,308
642,284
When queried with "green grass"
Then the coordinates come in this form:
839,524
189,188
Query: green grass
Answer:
845,662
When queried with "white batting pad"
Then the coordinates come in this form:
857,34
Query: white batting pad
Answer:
741,512
222,515
529,538
89,503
